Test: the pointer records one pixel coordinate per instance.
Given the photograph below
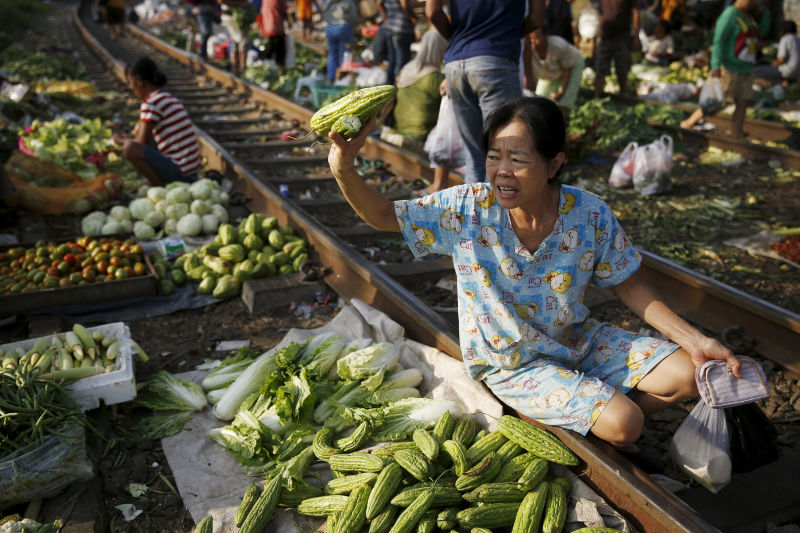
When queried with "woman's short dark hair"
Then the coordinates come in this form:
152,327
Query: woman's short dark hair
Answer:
788,26
542,116
145,69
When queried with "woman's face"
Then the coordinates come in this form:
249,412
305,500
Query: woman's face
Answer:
517,172
538,39
137,86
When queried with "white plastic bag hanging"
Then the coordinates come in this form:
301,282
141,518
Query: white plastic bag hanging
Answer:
444,145
701,447
651,167
711,96
622,173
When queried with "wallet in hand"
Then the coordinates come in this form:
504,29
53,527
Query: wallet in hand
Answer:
720,388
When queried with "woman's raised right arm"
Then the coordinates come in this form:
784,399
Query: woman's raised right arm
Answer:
367,202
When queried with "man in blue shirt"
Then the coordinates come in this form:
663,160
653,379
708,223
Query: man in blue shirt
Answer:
482,62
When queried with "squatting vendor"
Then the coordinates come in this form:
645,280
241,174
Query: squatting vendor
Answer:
524,249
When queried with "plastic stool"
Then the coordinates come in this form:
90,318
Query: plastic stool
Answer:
308,83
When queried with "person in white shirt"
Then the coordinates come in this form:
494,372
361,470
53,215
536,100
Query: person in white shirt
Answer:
661,46
786,68
558,66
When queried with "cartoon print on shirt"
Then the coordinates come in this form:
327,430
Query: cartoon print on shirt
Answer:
635,360
470,326
488,237
424,235
400,210
560,282
604,353
620,242
510,361
570,241
426,201
565,316
527,310
599,405
635,380
471,296
500,342
484,196
558,399
569,203
566,373
590,388
528,333
603,271
600,235
451,221
538,404
483,274
510,268
500,310
586,262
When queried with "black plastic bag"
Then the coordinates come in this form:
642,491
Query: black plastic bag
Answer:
753,438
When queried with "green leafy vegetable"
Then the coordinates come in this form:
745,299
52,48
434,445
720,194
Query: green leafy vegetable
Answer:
164,392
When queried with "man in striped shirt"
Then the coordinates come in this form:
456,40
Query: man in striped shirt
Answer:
164,144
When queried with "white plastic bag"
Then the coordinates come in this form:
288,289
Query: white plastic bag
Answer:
444,145
701,447
711,96
652,166
588,22
622,173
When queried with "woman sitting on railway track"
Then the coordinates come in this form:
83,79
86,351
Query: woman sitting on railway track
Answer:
164,144
524,249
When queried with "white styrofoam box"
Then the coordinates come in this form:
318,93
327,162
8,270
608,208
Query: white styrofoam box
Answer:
116,386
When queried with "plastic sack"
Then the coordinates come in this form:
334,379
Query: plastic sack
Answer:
42,470
588,22
622,173
46,188
652,167
701,447
711,96
444,145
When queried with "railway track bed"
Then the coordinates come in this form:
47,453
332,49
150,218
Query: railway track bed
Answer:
355,254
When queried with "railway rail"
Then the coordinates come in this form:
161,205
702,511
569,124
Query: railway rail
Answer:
240,127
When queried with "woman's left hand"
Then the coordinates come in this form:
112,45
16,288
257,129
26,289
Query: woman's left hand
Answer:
703,349
343,152
556,96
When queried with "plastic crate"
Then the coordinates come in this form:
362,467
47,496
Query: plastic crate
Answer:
323,92
116,386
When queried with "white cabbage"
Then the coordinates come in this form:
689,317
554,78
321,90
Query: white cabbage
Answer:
143,231
223,198
200,207
220,212
140,207
179,196
126,226
200,190
176,211
171,226
110,227
161,206
155,218
155,194
120,212
190,225
210,224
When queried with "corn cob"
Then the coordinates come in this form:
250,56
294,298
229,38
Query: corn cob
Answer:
90,347
74,345
541,442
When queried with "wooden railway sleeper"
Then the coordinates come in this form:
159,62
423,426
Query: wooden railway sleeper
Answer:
734,339
313,271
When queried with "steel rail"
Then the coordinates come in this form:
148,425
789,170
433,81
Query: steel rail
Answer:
625,486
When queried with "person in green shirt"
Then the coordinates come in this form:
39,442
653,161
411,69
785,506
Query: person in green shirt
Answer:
733,55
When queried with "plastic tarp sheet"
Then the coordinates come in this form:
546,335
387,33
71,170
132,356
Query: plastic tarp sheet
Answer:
212,482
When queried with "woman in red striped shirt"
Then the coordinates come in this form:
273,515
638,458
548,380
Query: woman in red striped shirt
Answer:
164,146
